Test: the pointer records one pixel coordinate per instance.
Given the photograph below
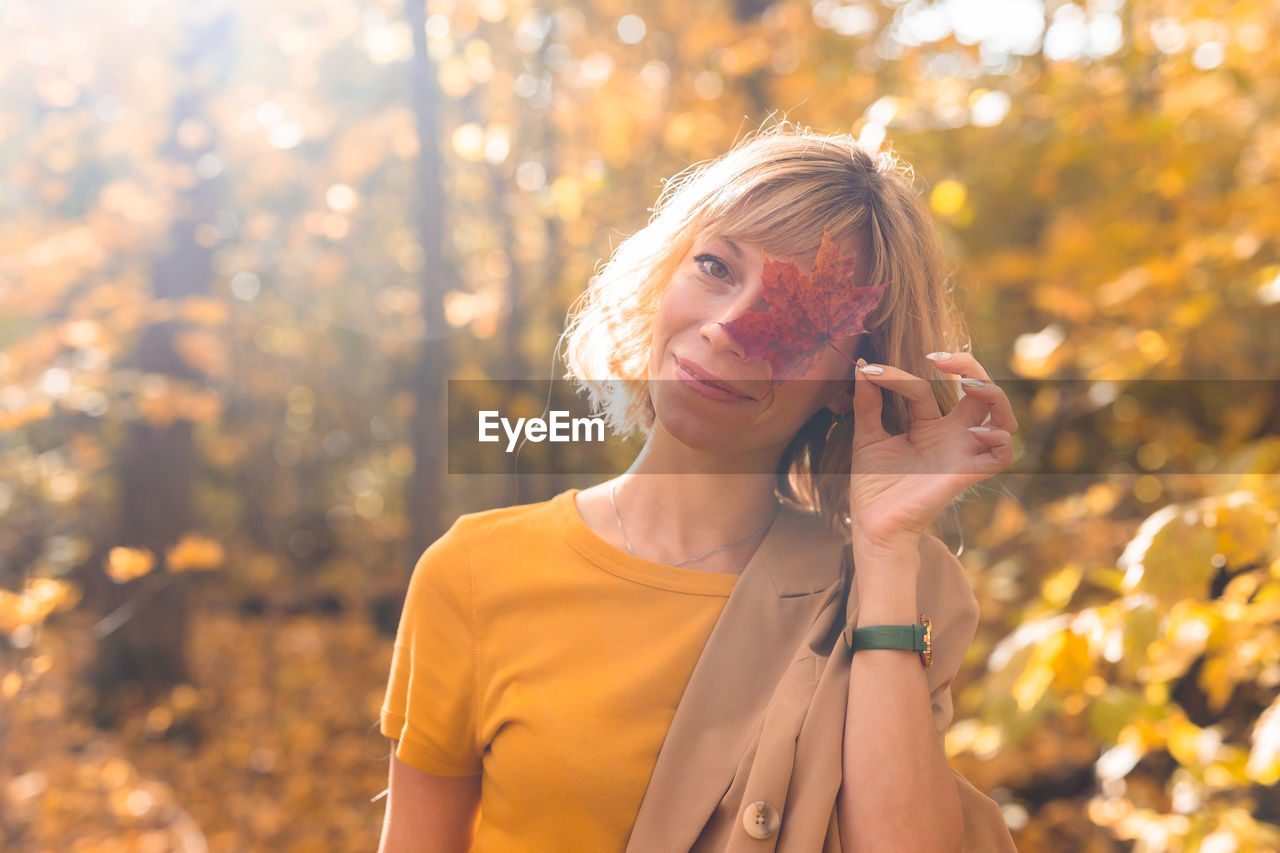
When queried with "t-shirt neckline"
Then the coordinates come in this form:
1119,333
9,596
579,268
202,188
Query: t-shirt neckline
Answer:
626,565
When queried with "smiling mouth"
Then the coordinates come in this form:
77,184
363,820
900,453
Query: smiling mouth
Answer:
711,385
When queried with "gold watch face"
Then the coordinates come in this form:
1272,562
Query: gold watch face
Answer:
927,654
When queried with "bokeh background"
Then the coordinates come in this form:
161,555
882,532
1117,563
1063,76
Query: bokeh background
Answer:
243,247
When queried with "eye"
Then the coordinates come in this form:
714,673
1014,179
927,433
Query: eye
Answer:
712,259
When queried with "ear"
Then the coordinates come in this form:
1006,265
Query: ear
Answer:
841,400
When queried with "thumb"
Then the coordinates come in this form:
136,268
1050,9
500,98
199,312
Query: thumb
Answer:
867,406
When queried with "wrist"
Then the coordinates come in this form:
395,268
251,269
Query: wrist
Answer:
892,568
896,546
886,605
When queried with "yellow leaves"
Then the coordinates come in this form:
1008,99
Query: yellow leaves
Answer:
1189,744
1180,547
1035,679
35,410
1263,766
204,350
1192,312
39,598
204,311
10,685
1170,183
162,400
1116,762
1112,710
194,553
1268,290
1113,296
982,739
1062,660
1187,631
1008,520
1097,500
1037,354
125,564
80,333
948,198
1067,301
1058,588
568,196
1072,664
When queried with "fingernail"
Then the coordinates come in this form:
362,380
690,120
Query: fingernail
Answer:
873,369
979,429
938,356
973,383
861,361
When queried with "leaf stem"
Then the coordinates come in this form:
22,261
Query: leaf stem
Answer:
842,355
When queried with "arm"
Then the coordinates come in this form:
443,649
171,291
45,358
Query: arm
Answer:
427,813
902,795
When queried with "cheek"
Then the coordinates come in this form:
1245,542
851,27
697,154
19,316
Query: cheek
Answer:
678,308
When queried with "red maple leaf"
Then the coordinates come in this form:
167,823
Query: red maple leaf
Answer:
806,313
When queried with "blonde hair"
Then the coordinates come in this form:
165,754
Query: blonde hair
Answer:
778,188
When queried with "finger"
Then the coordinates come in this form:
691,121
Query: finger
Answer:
989,398
918,392
867,407
997,444
962,363
977,402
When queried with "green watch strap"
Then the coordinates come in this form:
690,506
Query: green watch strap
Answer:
907,637
911,638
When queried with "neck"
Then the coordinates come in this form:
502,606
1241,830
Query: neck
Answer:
669,517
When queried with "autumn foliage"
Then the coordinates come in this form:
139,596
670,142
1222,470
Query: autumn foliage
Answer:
221,306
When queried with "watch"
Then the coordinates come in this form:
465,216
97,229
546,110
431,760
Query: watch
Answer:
913,638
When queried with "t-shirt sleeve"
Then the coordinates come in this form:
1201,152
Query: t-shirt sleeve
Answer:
430,703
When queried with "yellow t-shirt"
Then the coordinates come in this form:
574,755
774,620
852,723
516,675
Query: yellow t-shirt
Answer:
533,651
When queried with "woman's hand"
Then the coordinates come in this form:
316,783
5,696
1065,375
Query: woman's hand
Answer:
899,484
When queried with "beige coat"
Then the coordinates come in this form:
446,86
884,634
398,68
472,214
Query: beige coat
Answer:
762,717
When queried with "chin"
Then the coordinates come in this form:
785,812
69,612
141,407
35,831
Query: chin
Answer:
698,430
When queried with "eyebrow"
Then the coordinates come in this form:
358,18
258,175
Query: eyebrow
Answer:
732,245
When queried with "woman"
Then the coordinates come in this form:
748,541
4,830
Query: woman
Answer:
544,649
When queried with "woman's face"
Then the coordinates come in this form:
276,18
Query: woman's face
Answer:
717,281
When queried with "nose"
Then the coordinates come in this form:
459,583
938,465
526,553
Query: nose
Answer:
714,331
718,337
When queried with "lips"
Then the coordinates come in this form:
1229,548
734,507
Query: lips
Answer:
712,380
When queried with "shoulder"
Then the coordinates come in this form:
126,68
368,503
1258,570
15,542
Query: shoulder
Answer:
499,525
483,534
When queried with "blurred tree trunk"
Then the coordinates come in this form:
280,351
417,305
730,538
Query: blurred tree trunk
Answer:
429,424
156,462
549,142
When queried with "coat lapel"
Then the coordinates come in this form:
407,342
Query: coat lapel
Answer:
772,606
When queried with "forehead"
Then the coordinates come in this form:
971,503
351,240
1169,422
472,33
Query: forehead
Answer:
785,219
743,245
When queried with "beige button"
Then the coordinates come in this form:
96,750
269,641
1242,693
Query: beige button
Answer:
760,819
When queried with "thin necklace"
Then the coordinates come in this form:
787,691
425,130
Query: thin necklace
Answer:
632,551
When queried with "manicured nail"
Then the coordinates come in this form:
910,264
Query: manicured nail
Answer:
973,383
938,356
861,361
873,369
979,429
